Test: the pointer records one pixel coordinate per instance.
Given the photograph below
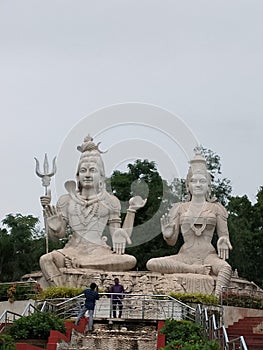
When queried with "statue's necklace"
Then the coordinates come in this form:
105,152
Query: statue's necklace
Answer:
197,227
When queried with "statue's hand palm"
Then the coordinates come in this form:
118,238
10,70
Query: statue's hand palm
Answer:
167,225
54,217
119,239
223,247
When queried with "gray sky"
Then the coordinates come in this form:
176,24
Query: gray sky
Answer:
61,61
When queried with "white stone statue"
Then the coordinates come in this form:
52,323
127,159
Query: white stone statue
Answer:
87,208
197,219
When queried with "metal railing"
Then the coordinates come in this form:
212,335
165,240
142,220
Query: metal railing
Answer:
212,331
22,289
8,317
135,306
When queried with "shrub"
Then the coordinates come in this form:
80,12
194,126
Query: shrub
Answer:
59,292
192,345
19,290
195,298
233,298
6,342
181,330
186,335
36,326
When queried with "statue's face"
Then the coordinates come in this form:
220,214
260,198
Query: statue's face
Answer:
89,175
198,185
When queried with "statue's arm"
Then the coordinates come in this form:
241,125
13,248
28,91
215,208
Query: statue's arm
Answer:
135,203
121,235
223,243
170,224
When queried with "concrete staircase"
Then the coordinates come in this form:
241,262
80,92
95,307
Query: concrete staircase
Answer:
252,330
114,335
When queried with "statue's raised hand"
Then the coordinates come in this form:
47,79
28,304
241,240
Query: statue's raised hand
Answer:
119,239
136,203
167,226
223,247
54,219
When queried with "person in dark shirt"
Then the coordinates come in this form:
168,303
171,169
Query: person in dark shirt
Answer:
117,291
91,296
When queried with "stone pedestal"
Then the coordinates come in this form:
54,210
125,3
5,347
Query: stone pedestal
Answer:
145,282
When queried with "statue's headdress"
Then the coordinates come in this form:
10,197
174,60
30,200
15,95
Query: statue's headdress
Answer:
198,163
90,152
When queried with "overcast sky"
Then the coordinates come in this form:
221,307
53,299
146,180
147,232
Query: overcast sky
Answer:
63,61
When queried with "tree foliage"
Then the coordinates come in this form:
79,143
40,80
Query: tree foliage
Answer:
22,243
142,178
220,186
246,232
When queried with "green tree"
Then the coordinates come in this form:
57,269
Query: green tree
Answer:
22,242
220,186
246,233
16,236
142,178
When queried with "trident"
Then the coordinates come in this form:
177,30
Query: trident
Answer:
46,178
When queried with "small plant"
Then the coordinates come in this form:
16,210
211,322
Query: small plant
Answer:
19,291
196,298
233,298
192,345
186,335
6,342
181,330
59,292
11,293
36,326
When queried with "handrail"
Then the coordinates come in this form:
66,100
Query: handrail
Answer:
18,282
142,306
6,320
212,331
242,343
28,308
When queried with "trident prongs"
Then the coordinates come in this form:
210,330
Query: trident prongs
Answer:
45,175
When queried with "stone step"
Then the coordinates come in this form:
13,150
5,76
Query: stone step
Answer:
252,330
117,334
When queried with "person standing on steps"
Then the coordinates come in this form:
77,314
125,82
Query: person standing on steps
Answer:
91,295
117,294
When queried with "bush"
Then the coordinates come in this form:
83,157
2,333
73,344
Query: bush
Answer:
6,342
195,298
186,335
192,345
233,298
19,291
181,330
36,326
59,292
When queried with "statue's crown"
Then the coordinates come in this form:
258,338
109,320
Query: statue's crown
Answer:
88,145
198,163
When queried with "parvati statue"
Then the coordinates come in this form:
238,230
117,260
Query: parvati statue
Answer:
197,219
